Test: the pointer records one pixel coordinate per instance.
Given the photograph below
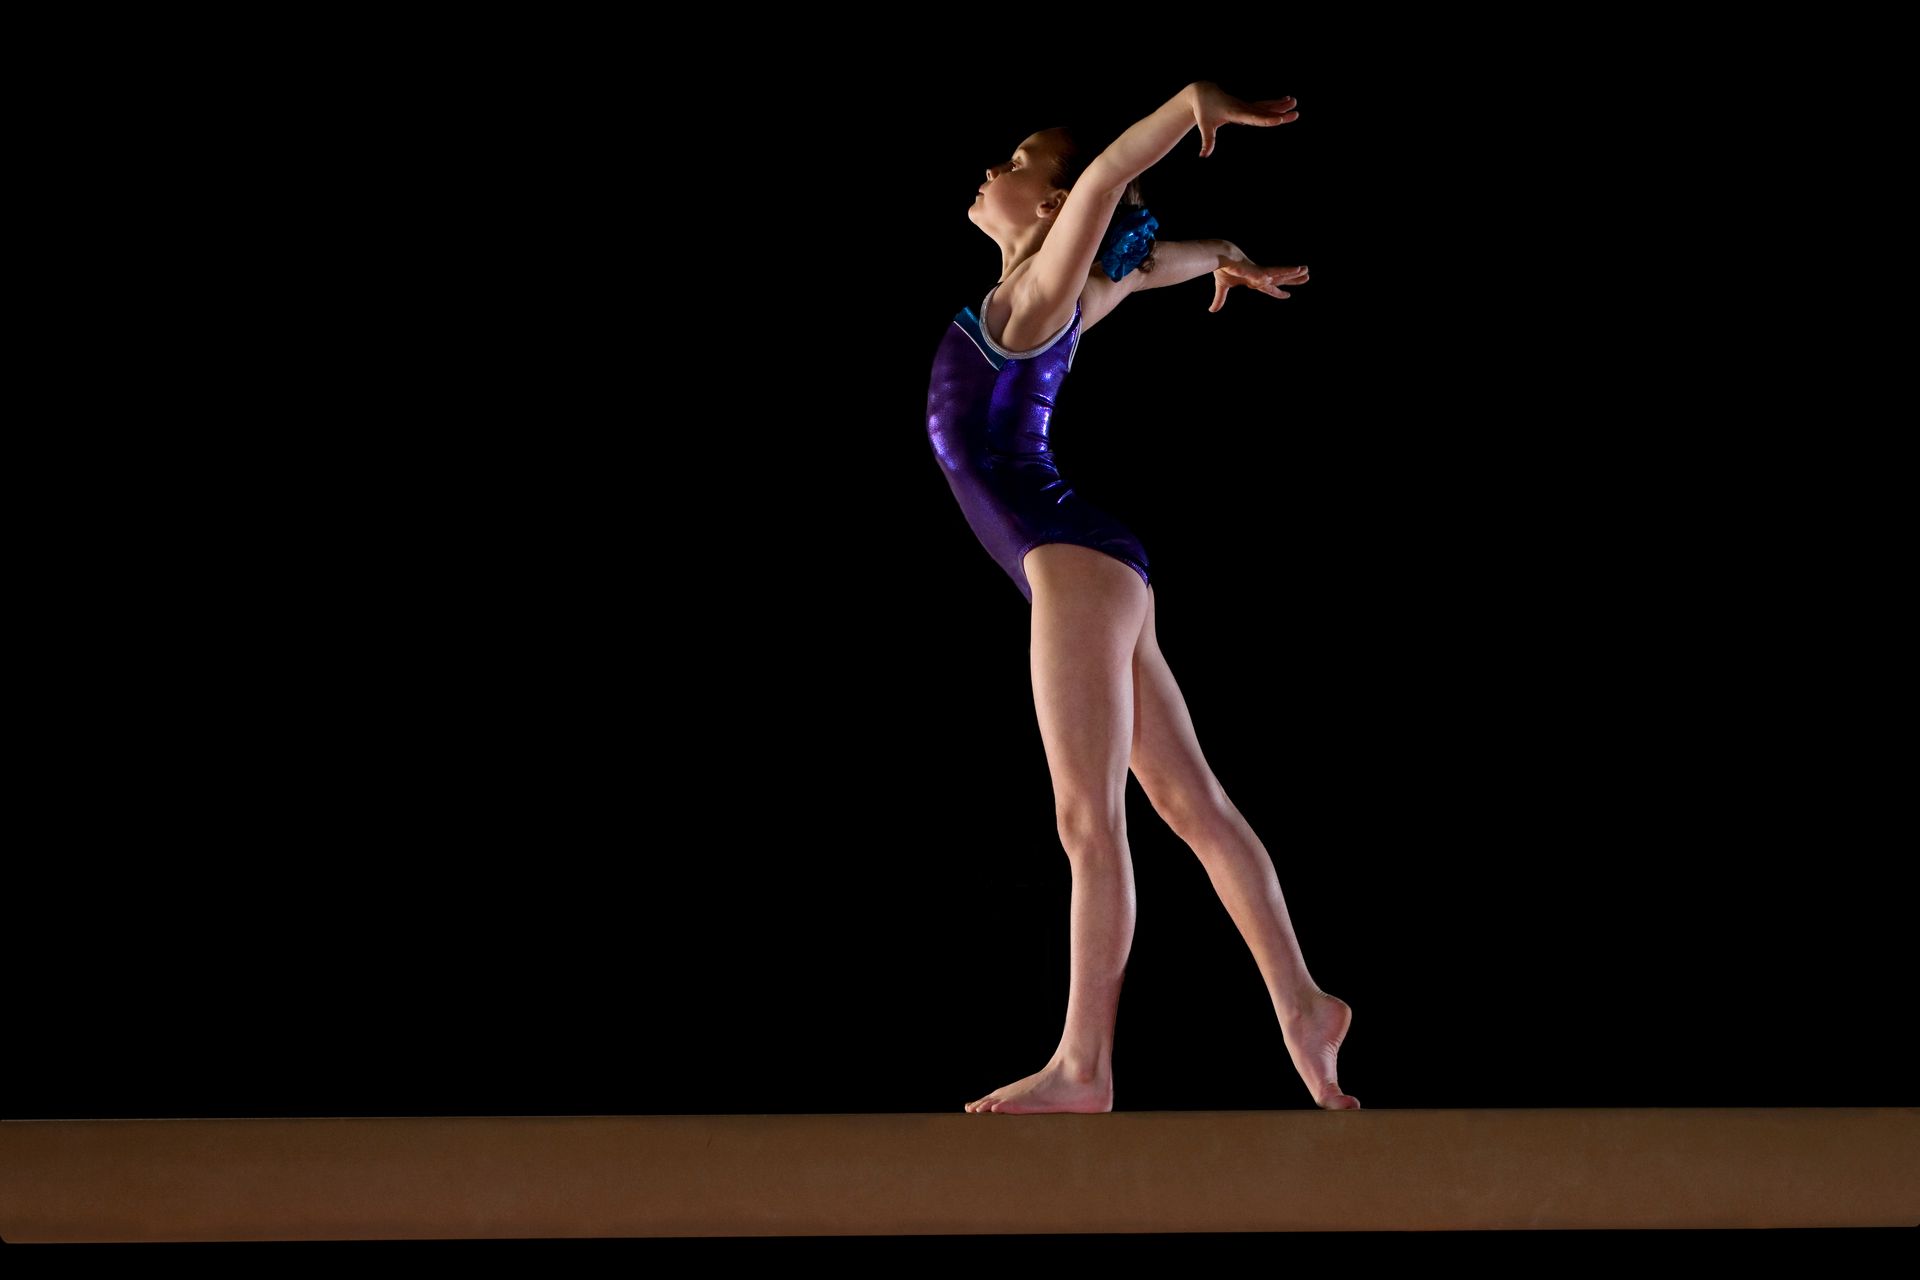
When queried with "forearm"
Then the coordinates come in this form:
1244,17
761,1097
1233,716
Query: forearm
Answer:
1175,261
1141,146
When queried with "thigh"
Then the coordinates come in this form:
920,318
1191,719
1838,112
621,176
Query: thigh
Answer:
1166,752
1088,609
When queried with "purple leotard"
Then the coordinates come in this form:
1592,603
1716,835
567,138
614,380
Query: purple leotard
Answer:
987,415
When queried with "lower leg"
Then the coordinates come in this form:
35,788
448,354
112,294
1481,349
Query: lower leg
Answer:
1243,876
1079,1075
1102,920
1312,1022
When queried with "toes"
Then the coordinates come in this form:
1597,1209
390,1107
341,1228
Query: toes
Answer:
1334,1099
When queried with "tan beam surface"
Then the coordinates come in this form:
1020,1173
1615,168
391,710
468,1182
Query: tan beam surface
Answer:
378,1178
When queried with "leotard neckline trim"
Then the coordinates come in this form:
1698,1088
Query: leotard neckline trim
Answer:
1021,355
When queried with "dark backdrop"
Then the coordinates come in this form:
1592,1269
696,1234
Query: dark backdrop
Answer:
570,687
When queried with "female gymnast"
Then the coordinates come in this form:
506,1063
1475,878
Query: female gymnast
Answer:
1074,242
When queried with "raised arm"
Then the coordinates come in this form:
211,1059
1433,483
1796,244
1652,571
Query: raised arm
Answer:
1059,272
1144,143
1061,268
1202,103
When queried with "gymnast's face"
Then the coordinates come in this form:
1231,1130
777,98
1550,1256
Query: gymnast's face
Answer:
1016,188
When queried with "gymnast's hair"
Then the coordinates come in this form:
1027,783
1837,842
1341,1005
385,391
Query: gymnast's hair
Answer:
1073,160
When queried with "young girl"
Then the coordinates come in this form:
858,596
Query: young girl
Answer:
1071,251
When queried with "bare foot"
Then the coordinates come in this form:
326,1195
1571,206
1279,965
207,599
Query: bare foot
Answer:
1049,1089
1313,1038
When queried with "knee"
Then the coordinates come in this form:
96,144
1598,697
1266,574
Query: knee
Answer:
1091,827
1194,810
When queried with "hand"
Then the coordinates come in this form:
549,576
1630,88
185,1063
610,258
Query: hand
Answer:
1214,106
1253,276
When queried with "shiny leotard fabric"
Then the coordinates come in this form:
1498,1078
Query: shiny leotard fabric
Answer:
988,410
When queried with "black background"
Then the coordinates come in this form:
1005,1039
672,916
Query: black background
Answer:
572,689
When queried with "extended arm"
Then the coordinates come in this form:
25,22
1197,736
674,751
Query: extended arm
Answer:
1177,261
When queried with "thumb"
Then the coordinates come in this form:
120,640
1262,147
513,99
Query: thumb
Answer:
1219,293
1206,140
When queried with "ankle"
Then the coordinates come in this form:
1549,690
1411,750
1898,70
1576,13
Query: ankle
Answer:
1300,1002
1082,1070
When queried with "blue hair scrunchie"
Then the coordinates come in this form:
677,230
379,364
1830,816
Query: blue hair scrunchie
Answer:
1131,243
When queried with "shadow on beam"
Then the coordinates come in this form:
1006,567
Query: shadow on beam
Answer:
525,1177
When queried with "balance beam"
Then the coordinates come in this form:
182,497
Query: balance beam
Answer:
1374,1169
